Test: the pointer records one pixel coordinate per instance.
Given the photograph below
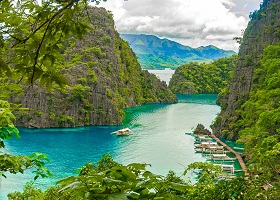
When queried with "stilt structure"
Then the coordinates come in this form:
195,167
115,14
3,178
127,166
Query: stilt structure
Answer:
239,158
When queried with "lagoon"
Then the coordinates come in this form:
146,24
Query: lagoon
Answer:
159,139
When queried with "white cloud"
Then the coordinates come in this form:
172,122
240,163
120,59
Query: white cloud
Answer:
190,22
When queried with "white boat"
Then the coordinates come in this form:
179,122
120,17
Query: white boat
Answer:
208,144
225,177
221,157
210,151
227,168
204,138
121,132
213,146
238,148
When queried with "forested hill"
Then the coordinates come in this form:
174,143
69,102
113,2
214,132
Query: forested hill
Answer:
195,78
251,104
104,78
153,52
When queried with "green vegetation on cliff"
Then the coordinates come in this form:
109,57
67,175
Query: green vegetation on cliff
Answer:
102,74
262,31
203,78
259,124
250,105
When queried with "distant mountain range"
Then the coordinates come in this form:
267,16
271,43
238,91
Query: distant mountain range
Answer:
156,53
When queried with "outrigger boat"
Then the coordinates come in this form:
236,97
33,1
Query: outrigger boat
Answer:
221,157
217,153
211,151
227,168
210,147
225,177
189,133
238,148
206,144
203,138
122,132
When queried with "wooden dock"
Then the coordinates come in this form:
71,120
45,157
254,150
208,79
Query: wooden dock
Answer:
238,156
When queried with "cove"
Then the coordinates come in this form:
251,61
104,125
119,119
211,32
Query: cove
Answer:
159,139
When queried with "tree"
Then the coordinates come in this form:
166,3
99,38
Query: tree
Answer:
31,39
15,164
110,180
31,35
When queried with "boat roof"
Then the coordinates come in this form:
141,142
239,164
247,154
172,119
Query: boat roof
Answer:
205,138
219,155
124,129
225,165
209,143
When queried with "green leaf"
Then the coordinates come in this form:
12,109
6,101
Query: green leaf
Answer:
71,186
118,196
66,180
177,186
5,68
110,181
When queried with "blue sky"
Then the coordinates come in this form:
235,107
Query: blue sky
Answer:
189,22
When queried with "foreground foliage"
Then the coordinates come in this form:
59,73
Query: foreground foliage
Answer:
14,164
31,34
110,180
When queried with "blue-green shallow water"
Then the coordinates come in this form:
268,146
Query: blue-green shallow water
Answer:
159,139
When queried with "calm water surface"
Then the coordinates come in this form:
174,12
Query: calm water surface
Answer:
159,140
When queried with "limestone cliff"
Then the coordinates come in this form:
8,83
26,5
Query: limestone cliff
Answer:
104,78
262,30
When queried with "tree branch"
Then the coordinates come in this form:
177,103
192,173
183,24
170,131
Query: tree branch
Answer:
49,21
71,2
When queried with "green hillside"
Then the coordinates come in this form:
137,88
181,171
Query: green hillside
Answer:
203,78
156,53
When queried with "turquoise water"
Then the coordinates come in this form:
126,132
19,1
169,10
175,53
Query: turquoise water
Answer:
159,139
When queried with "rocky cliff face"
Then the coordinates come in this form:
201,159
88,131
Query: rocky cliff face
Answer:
262,30
104,78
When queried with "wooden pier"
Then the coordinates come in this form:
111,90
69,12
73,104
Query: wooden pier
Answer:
239,158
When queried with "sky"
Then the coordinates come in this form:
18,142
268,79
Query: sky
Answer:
190,22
